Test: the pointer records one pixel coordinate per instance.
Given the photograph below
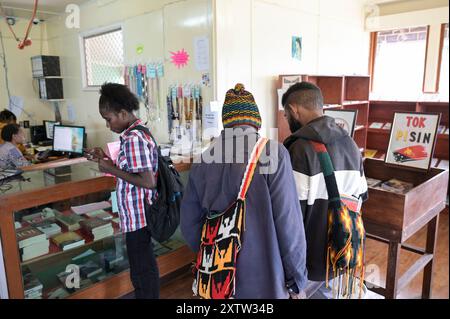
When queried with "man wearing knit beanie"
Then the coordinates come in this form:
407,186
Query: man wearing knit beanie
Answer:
272,260
240,108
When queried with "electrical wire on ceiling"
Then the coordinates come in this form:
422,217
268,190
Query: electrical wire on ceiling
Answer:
26,41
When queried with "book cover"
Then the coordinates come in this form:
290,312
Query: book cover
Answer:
397,186
84,209
44,215
93,224
90,269
100,214
70,221
31,284
370,153
66,239
387,126
27,236
372,182
376,125
50,229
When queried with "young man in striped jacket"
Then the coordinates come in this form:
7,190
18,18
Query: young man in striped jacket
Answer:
303,104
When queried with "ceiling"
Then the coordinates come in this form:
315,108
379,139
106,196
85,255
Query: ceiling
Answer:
46,8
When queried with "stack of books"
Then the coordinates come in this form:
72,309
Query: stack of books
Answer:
31,285
71,222
98,228
84,209
373,183
32,243
109,259
397,186
68,240
49,229
46,215
100,214
90,269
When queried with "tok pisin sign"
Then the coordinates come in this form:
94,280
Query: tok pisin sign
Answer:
412,140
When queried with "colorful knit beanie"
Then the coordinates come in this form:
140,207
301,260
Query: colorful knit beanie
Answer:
240,108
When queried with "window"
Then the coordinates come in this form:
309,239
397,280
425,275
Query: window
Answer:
443,82
400,62
103,58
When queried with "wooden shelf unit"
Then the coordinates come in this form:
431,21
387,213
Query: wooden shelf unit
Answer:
383,112
341,92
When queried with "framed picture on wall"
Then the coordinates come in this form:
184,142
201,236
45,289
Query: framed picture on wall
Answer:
413,139
346,119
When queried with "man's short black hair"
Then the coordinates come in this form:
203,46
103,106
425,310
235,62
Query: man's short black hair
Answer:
305,94
7,116
8,131
116,97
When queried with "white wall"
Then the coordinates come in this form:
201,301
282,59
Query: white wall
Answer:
254,44
160,25
20,78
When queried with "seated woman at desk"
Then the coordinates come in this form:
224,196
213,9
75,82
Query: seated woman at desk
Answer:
10,155
8,117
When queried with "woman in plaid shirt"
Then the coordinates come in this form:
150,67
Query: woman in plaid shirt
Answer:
135,169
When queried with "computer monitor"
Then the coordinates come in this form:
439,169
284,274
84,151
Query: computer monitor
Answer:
68,139
49,128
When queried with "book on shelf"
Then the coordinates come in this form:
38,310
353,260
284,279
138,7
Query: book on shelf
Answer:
370,153
49,228
441,129
57,293
397,186
46,214
32,286
68,240
29,235
102,214
95,224
372,182
446,131
387,126
70,222
109,259
17,225
90,269
376,125
84,209
35,250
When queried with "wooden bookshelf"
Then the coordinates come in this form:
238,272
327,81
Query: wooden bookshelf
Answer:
339,92
383,112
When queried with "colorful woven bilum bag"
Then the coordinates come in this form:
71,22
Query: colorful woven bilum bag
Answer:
221,240
346,234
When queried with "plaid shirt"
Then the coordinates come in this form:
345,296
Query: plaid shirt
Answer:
137,154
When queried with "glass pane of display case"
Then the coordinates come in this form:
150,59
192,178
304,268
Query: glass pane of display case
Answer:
71,245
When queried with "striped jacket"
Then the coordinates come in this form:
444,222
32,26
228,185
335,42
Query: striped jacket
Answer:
310,182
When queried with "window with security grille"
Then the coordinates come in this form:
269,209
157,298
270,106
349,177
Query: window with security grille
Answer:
400,62
104,58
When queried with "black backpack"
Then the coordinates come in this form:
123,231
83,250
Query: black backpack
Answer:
163,216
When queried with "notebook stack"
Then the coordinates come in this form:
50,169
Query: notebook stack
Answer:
32,243
31,285
97,227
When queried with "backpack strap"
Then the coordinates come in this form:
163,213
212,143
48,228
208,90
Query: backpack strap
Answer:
334,198
251,166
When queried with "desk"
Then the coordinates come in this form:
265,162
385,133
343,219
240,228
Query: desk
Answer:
393,218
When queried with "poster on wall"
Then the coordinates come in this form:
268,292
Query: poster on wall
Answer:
346,119
297,48
413,139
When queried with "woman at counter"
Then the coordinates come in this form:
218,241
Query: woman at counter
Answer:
10,155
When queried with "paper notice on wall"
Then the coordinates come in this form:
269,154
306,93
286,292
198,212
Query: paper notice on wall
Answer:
280,98
289,80
201,48
71,114
16,105
214,106
210,124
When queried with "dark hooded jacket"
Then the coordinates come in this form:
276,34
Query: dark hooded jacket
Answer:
310,182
